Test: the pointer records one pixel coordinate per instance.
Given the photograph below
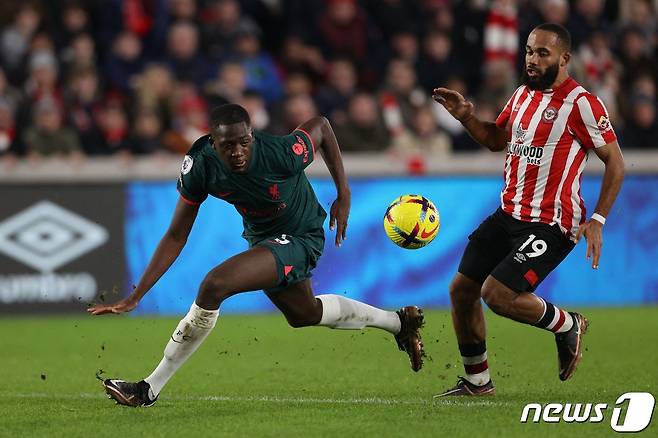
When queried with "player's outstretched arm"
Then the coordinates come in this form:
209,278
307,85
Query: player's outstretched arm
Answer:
324,138
486,133
168,249
613,177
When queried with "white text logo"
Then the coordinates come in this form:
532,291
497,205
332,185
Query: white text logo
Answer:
633,416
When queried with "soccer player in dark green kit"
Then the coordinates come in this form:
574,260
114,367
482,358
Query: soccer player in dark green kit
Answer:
263,177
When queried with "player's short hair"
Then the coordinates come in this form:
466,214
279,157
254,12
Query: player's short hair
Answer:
563,35
228,114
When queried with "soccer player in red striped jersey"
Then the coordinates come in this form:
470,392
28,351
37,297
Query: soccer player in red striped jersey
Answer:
547,128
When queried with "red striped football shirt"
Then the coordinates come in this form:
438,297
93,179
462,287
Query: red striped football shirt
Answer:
549,135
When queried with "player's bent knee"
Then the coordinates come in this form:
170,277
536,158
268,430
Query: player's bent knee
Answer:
495,298
463,291
214,289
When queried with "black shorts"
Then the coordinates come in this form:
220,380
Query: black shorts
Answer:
516,253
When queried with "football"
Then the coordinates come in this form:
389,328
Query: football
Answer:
411,221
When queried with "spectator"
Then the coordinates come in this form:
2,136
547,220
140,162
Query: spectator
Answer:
297,83
636,57
424,137
254,103
83,101
113,123
597,59
125,62
404,45
15,39
262,74
333,97
146,137
296,56
586,18
400,96
363,130
499,83
153,91
297,110
641,15
222,22
190,121
554,11
183,10
74,20
442,17
79,54
48,137
343,30
183,57
641,131
42,81
437,62
229,86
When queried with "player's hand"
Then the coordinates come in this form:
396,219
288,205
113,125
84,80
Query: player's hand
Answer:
592,230
123,306
460,108
338,214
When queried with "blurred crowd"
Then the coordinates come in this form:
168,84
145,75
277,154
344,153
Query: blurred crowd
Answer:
132,77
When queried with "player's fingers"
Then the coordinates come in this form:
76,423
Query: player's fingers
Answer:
344,233
589,249
579,233
340,232
444,91
596,250
439,99
332,221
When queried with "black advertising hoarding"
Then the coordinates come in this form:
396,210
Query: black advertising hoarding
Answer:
61,246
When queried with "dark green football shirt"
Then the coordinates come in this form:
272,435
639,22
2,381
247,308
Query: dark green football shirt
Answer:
273,197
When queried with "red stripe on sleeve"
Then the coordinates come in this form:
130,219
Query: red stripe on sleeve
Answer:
187,201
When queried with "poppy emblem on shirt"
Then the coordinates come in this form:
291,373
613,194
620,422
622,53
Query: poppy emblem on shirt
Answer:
187,165
298,149
549,114
603,124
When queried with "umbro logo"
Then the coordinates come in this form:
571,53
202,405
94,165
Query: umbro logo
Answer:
46,236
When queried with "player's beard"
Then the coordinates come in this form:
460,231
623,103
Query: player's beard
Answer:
542,81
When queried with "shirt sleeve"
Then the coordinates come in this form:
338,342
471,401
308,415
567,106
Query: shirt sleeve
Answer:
590,123
296,151
191,182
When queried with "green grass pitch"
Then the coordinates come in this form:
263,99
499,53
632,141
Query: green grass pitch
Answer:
255,376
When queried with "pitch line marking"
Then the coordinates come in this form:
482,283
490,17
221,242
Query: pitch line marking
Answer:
276,399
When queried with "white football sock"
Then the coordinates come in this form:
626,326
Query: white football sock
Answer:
191,331
344,313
